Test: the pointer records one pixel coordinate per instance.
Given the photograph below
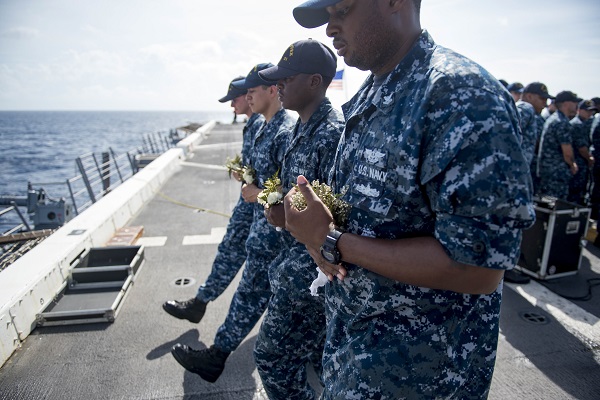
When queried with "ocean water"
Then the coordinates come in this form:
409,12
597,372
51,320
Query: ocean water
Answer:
41,146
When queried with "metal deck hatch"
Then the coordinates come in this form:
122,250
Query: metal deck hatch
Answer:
96,287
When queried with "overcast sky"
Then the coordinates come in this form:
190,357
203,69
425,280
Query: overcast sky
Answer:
181,54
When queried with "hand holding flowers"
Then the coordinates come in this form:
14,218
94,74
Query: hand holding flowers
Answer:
339,210
244,173
272,194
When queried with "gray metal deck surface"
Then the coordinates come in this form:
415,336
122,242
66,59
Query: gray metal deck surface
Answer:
538,358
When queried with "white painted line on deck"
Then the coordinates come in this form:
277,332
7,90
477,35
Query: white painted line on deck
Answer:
215,237
572,317
156,241
217,145
205,166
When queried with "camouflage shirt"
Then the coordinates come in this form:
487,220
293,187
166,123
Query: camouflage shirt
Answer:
595,133
270,143
557,131
581,134
435,151
252,126
312,148
529,128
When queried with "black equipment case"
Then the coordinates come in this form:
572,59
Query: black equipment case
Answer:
552,247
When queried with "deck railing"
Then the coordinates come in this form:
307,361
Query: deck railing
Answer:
98,174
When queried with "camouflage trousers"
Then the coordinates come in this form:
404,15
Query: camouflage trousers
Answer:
553,186
447,352
231,253
579,185
595,196
253,292
535,180
292,334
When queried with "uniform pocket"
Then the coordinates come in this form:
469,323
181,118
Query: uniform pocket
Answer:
374,186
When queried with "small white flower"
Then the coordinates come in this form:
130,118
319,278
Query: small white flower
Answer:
274,197
247,176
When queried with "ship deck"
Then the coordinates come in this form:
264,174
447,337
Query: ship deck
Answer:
549,347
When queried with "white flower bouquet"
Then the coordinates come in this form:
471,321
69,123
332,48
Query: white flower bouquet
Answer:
272,194
338,207
247,173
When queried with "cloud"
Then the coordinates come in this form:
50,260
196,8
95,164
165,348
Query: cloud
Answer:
91,30
19,33
502,21
95,63
192,52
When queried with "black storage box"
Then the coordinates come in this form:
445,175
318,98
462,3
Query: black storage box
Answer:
96,287
552,247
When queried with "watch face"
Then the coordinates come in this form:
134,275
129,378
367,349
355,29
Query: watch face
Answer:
329,256
329,249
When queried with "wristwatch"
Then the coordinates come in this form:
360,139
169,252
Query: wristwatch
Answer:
329,249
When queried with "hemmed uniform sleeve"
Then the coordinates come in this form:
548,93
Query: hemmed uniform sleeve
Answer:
473,173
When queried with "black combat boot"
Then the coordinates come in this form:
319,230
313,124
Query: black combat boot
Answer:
192,309
208,363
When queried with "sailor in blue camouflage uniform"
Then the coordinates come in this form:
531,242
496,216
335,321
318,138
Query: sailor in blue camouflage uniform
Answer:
533,167
263,243
582,143
595,134
440,191
292,334
529,129
536,94
231,252
556,158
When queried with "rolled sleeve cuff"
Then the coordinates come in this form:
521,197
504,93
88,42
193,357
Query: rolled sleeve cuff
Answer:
471,242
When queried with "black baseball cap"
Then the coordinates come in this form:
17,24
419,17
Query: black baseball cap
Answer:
303,57
515,87
253,80
567,95
587,105
539,89
232,91
312,13
596,101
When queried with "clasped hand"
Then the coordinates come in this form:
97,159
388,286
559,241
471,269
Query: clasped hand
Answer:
250,192
311,226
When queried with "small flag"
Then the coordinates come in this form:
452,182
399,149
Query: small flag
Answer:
338,81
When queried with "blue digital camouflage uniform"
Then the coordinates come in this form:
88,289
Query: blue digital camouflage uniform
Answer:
293,330
231,252
529,129
578,186
533,166
435,152
553,171
595,198
263,243
595,135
